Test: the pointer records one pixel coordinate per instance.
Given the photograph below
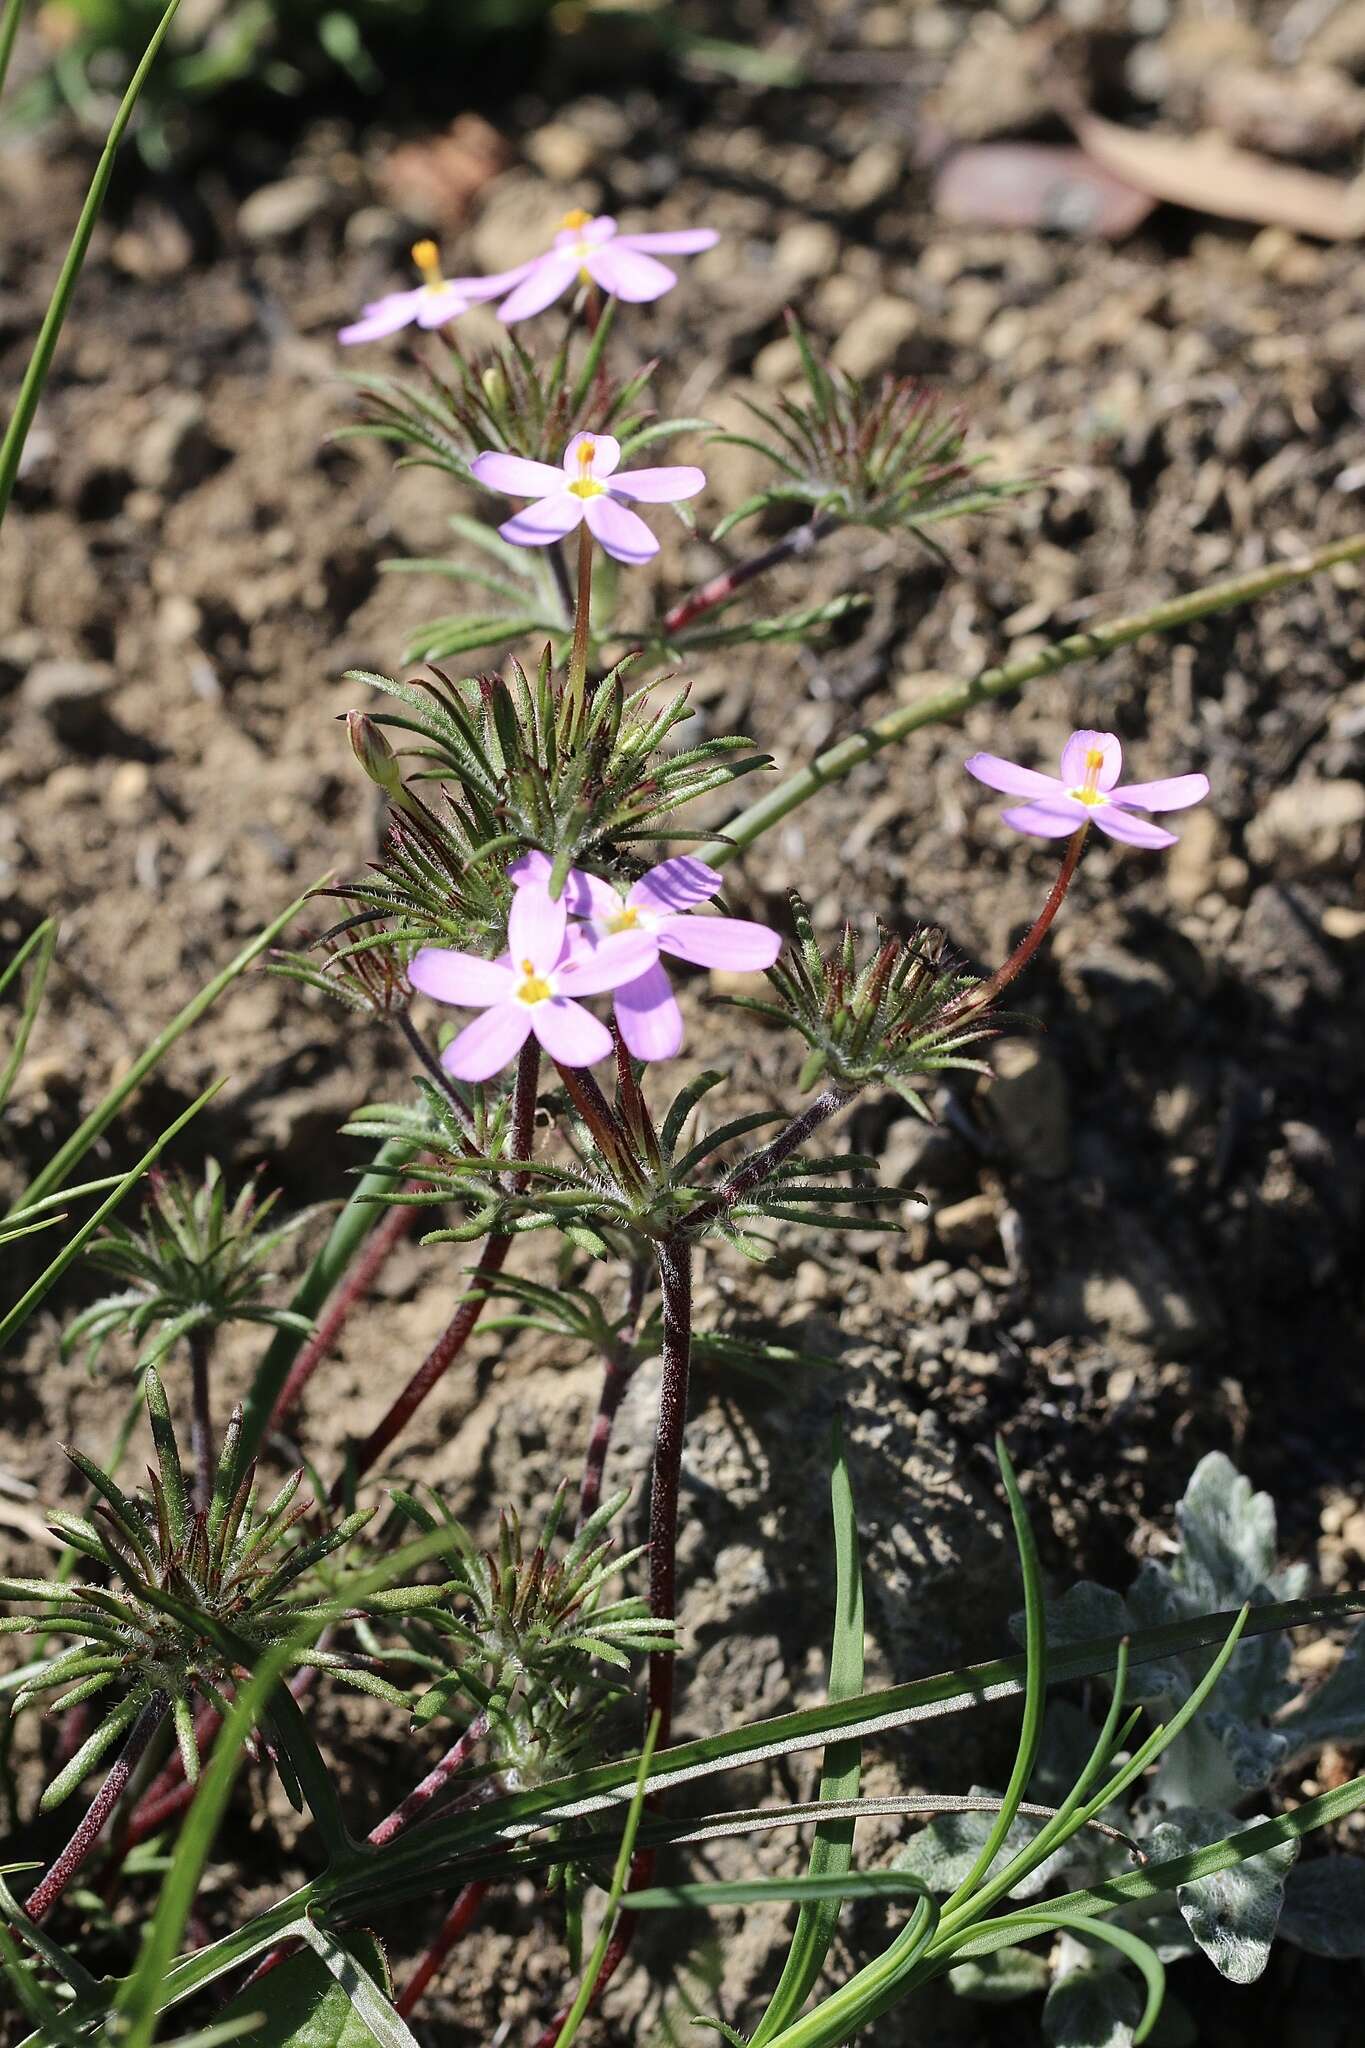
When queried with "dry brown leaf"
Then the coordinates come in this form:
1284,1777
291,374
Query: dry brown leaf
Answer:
1038,185
1207,173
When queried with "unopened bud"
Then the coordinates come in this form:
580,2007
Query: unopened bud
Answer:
494,383
374,753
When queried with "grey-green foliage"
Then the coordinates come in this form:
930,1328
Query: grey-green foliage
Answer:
1215,1778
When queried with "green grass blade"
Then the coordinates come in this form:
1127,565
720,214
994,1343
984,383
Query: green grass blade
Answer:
831,1854
80,1141
1035,1687
35,376
9,29
41,943
1141,1954
24,1308
574,2017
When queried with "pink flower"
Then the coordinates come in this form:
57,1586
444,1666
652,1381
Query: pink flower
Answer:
656,906
1086,793
590,248
587,487
531,990
433,302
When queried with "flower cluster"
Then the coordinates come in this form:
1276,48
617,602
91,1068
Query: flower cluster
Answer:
613,945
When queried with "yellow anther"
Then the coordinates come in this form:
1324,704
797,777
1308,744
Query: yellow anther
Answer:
587,451
535,988
623,920
576,218
427,258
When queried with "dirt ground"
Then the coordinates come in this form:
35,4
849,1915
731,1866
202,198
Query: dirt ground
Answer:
1142,1239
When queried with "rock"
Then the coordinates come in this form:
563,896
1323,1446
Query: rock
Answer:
968,1226
562,151
1191,863
520,214
873,340
1310,824
930,1156
1280,951
176,451
778,363
873,175
70,695
1026,1101
1128,1291
275,213
806,250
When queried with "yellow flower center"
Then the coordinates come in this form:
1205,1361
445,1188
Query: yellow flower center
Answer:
587,485
535,988
1089,792
427,258
623,920
576,218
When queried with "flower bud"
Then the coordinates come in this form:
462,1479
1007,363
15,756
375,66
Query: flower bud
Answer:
494,383
374,753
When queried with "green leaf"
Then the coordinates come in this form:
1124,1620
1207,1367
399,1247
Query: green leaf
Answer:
1000,1979
40,943
832,1849
1336,1711
323,2001
1324,1907
1228,1534
1232,1914
1093,2007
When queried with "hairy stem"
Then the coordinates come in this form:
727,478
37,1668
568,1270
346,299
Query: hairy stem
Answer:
438,1075
384,1239
452,1927
751,1172
675,1278
201,1415
457,1332
793,546
616,1377
41,1901
941,705
986,992
420,1800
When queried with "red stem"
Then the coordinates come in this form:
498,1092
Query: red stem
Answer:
452,1927
675,1276
201,1416
986,991
720,589
383,1239
415,1806
41,1900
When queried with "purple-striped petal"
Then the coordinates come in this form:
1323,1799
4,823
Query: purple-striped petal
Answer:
383,316
627,274
1010,779
1052,820
589,896
659,486
535,526
729,942
516,475
453,977
593,965
606,453
1074,764
1173,793
535,927
677,884
547,279
490,1043
622,533
648,1016
569,1033
1132,829
673,242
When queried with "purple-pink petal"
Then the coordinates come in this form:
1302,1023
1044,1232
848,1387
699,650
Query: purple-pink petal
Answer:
1131,828
1052,820
535,927
606,453
622,533
452,977
659,486
600,228
1011,779
592,965
674,885
672,241
729,942
548,277
383,316
648,1017
627,274
589,896
1172,793
517,475
440,304
569,1033
535,526
490,1043
1074,765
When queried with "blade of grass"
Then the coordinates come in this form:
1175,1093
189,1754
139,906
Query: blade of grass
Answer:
41,942
24,1307
9,29
831,1853
619,1878
80,1141
840,760
35,376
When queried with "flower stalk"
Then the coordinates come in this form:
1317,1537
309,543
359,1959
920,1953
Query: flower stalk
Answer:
45,1896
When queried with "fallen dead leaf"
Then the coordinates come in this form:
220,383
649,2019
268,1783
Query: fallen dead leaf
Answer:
1038,185
1210,175
436,180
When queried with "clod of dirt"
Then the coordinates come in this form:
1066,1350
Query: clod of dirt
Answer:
1027,1103
70,695
1312,823
274,213
177,450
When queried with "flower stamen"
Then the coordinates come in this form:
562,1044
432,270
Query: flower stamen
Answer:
427,260
534,988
